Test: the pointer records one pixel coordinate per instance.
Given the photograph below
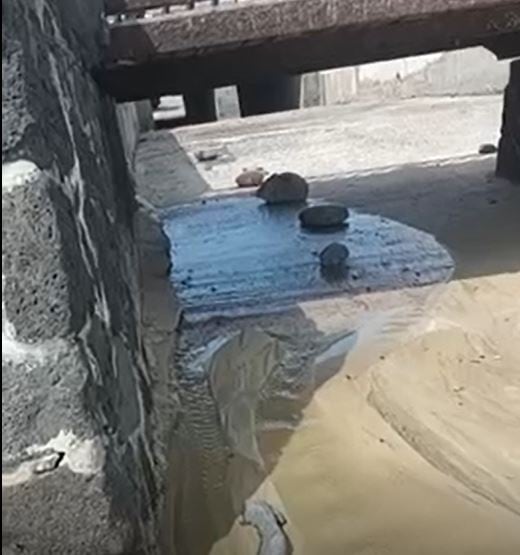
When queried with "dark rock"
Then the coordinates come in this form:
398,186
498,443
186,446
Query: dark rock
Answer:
487,148
282,188
208,155
334,256
323,216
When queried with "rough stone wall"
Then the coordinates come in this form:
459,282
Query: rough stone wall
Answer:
80,470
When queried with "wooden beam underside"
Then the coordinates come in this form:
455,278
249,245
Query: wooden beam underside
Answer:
129,6
209,48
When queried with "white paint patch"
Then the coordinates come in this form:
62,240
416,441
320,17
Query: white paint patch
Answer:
80,456
24,473
18,351
18,173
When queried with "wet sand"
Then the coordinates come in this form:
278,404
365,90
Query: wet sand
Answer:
418,455
408,444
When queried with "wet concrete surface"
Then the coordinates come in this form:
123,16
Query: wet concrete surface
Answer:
236,254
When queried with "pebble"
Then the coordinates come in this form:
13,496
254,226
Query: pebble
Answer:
323,215
251,178
282,188
334,256
208,155
487,148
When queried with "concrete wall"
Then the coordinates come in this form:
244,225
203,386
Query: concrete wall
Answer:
462,72
82,462
133,119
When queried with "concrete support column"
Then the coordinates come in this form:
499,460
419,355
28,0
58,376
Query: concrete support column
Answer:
200,106
508,159
270,93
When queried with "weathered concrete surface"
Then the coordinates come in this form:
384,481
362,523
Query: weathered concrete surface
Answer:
508,159
237,43
80,467
165,173
335,141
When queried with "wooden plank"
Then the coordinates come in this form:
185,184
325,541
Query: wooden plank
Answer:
336,47
236,25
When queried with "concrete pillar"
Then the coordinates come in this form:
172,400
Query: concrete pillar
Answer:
200,106
270,93
508,159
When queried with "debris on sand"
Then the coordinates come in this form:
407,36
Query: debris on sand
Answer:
208,155
281,188
487,148
324,216
269,524
251,178
334,256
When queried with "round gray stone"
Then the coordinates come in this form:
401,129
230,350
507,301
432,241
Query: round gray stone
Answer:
282,188
323,216
334,256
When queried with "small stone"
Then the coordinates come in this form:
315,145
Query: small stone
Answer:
282,188
49,462
334,256
487,148
323,216
251,178
208,155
